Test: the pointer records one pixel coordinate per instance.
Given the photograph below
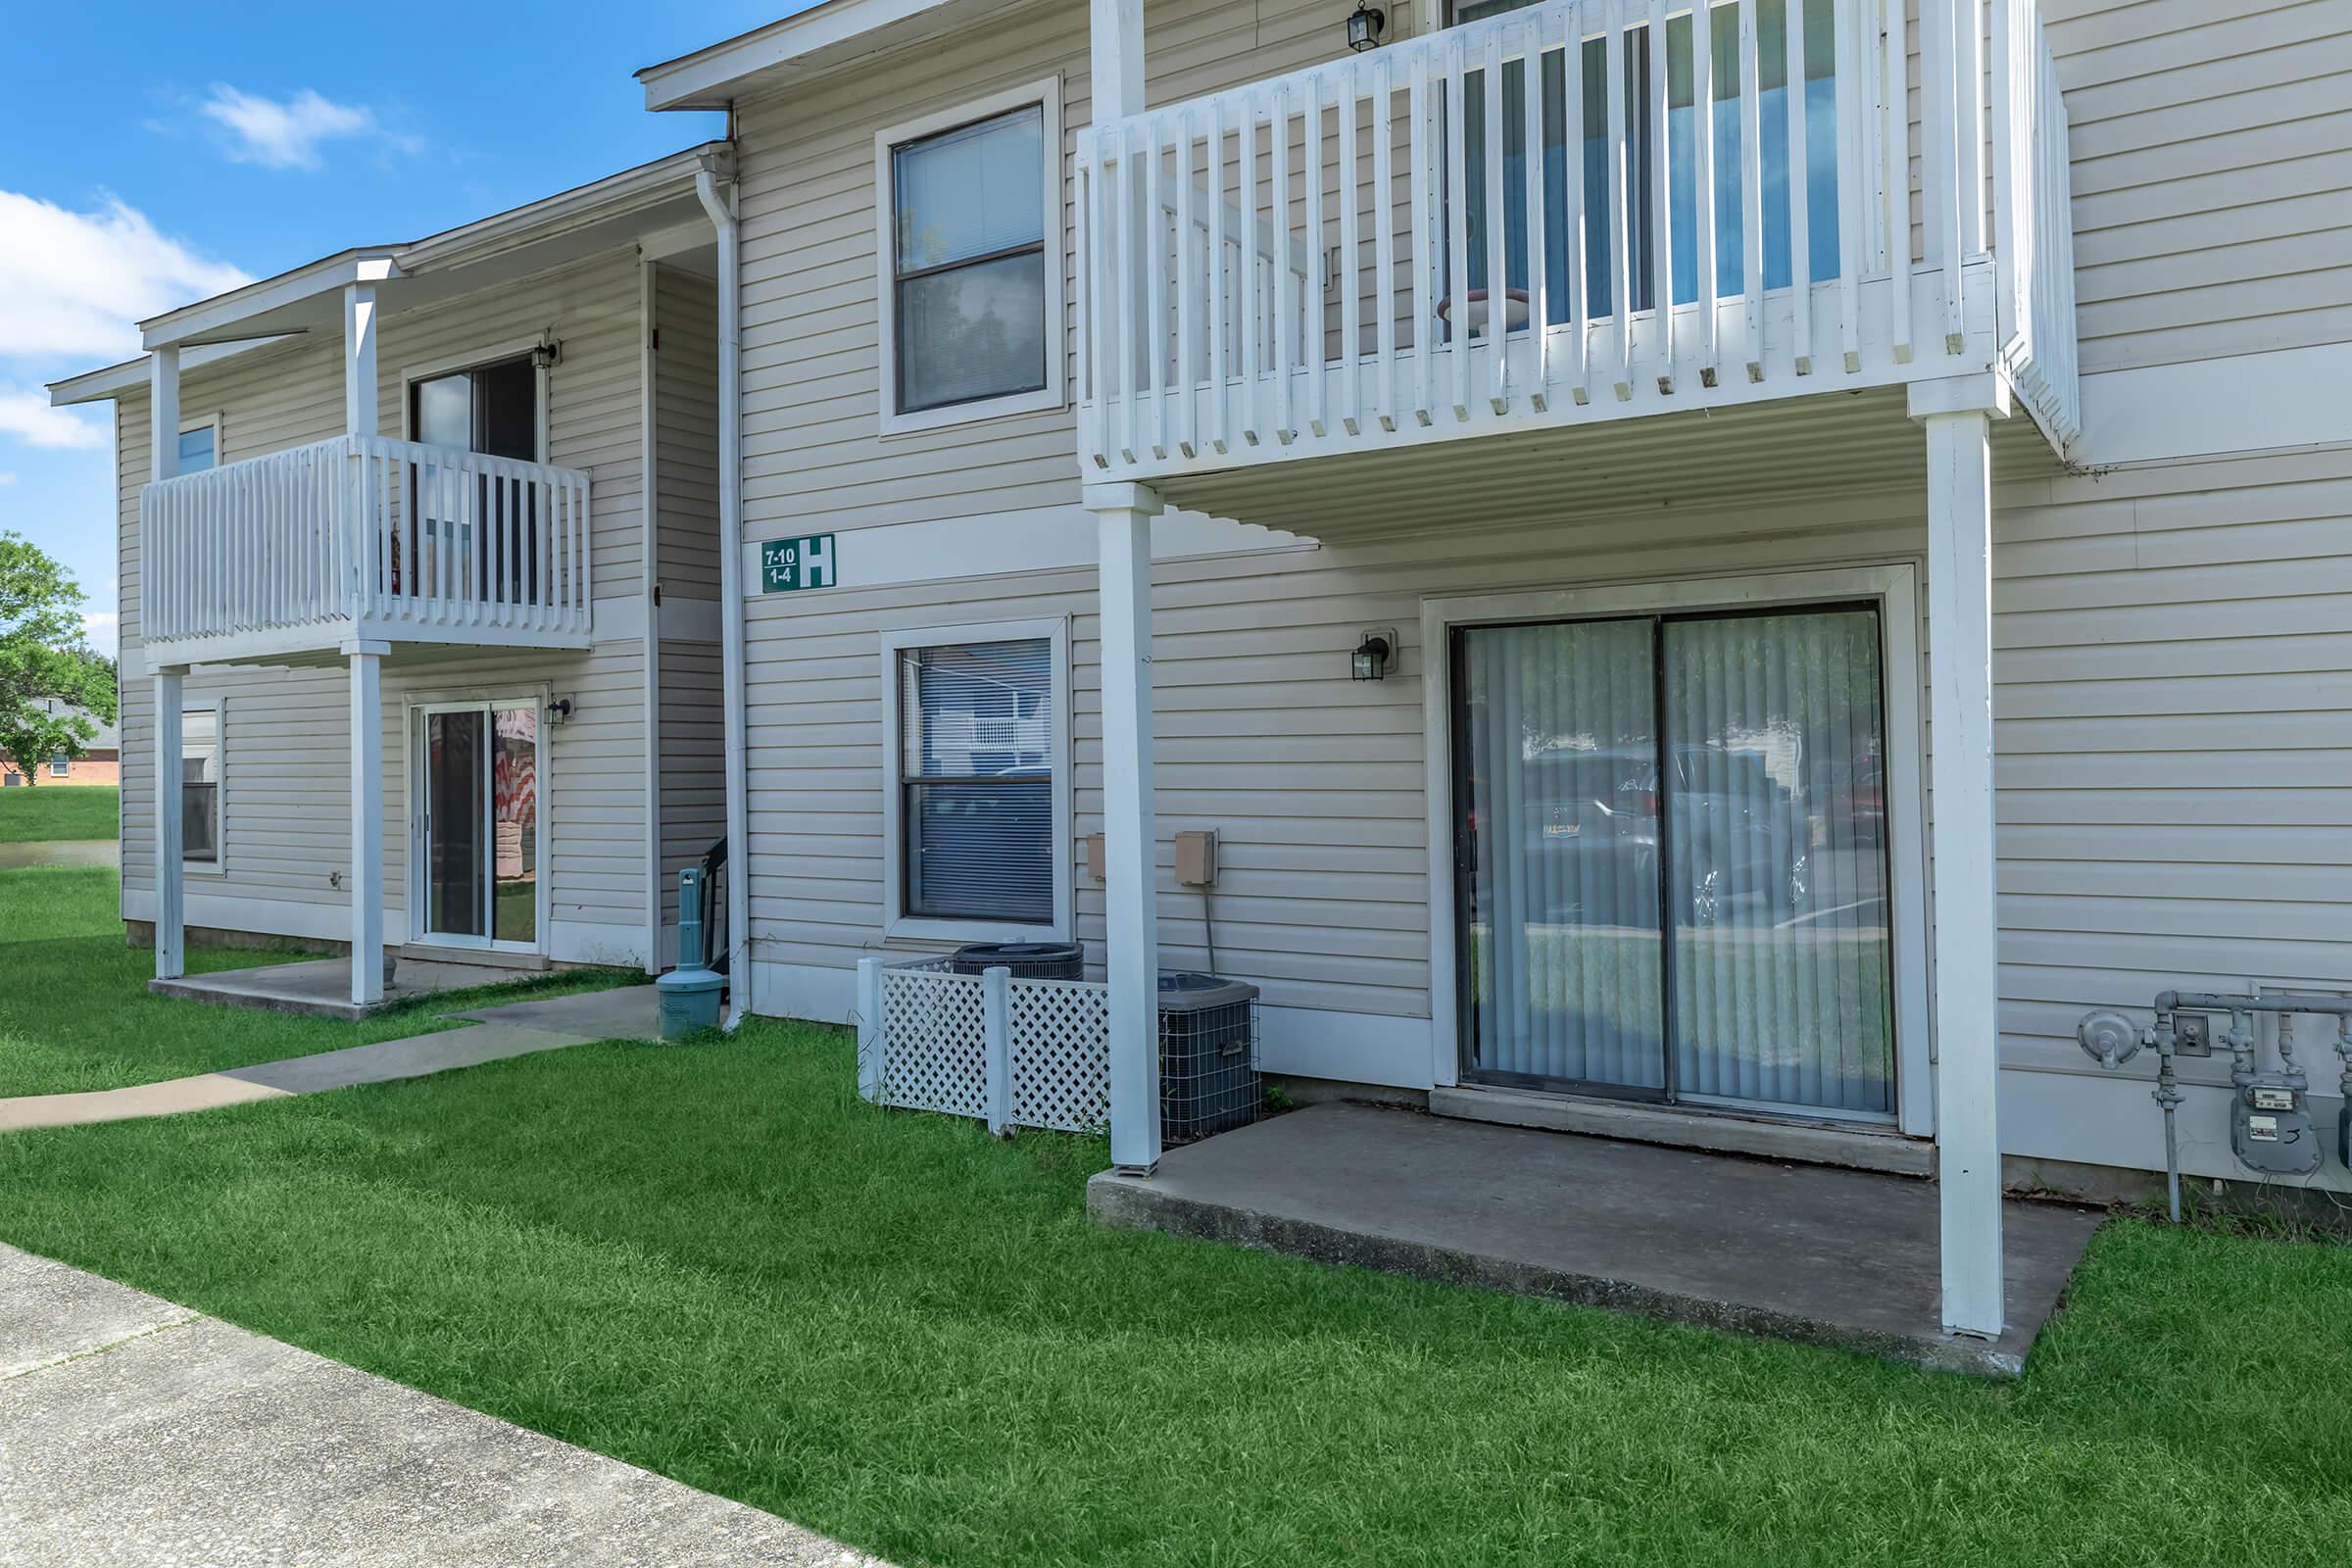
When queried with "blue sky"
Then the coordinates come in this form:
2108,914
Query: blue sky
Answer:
153,154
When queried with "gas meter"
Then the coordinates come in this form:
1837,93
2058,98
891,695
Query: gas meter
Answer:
2269,1128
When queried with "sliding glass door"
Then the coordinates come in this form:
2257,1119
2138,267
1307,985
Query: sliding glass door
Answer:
1671,858
477,825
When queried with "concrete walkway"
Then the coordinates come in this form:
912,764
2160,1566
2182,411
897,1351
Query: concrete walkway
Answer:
133,1432
515,1029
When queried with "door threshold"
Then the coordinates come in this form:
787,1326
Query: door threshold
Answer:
1729,1132
484,957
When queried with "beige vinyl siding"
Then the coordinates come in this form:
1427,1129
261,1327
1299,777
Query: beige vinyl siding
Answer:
2212,167
1313,781
2173,660
286,749
811,384
686,434
691,745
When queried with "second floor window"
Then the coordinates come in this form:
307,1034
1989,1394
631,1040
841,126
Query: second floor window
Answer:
199,448
973,283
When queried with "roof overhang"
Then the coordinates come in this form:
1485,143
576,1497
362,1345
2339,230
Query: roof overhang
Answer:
654,204
821,38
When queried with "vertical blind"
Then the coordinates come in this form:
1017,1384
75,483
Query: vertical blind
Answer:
1561,759
1755,799
976,778
971,223
1779,862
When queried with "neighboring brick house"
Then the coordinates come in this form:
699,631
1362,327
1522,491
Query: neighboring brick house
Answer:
100,762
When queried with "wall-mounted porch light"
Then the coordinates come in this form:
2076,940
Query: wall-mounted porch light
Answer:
1370,660
1364,28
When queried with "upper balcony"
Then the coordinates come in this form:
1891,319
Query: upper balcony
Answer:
1364,256
362,539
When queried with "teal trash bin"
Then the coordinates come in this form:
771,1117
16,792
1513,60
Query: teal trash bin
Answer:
690,993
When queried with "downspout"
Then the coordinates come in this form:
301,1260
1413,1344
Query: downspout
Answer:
721,207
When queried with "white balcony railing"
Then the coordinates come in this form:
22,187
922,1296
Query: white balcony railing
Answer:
1499,226
2035,220
365,536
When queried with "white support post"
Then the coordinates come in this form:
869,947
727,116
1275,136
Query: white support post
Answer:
163,413
996,1047
366,823
1123,515
1116,61
170,884
359,359
1961,836
870,1030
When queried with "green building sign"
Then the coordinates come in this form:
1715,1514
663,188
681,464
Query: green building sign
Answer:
787,565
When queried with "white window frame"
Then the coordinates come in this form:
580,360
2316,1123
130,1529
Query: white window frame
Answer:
897,922
1894,589
1053,395
212,422
217,707
59,765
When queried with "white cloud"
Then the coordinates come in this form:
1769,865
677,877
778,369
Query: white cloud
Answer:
25,414
76,284
283,133
6,478
103,628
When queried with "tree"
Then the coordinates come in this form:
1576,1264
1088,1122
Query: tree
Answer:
44,662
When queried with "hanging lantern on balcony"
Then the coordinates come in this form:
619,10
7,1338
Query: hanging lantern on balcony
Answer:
1364,28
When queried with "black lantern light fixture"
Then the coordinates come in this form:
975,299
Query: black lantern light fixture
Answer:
1370,660
1363,32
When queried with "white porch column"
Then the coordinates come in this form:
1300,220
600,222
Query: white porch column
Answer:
163,413
367,822
359,359
170,884
1116,58
1961,836
1123,514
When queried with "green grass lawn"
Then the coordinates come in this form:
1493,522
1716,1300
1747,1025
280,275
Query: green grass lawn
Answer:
75,1013
714,1261
51,811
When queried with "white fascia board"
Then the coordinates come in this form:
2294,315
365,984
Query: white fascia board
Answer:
707,79
102,385
216,319
612,196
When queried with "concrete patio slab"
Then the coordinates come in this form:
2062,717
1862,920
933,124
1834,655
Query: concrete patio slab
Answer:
321,987
190,1440
1826,1256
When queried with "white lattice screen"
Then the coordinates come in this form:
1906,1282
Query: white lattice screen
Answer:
934,1057
928,1045
1060,1054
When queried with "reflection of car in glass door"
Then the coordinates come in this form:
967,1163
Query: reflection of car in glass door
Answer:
1592,818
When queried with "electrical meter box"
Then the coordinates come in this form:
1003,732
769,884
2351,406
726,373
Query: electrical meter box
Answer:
2270,1130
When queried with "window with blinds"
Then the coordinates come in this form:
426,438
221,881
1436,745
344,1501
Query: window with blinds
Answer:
975,777
969,279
